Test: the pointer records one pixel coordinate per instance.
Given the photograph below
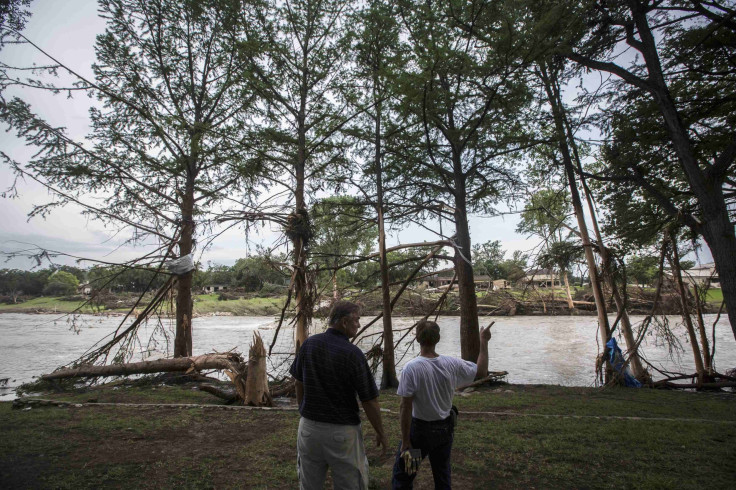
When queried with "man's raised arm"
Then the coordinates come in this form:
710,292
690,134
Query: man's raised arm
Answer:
485,337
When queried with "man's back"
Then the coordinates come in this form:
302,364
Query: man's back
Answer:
333,371
432,382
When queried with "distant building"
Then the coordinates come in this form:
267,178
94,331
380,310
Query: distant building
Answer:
440,278
501,284
444,277
85,288
213,288
702,275
541,278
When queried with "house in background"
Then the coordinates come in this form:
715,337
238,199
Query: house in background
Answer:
541,278
440,278
214,288
702,275
443,278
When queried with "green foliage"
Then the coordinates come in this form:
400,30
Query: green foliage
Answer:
561,255
120,278
545,215
61,283
487,259
343,229
256,271
642,268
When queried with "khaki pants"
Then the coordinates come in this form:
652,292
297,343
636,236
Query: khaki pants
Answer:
340,447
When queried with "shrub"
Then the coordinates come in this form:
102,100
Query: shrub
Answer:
61,283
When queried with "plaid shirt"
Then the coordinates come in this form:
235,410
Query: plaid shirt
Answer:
333,371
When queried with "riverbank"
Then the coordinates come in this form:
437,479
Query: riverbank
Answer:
412,303
509,436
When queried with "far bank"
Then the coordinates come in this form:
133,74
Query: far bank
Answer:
413,303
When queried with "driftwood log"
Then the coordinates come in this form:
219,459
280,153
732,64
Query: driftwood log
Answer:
228,362
492,377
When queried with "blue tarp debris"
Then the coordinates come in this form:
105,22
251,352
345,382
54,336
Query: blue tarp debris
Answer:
616,358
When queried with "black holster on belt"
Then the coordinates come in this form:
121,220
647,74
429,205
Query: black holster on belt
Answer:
453,416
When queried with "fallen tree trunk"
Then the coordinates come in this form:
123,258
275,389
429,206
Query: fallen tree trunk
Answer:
230,396
230,361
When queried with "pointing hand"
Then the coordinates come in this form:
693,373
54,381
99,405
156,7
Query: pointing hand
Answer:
485,334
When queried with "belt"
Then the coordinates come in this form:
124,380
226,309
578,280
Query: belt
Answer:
425,423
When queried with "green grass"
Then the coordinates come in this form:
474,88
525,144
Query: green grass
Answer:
714,296
48,304
205,304
95,446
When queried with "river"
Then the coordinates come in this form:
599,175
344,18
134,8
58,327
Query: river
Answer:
533,349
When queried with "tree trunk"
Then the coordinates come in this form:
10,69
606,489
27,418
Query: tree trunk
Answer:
301,281
558,114
675,264
469,331
180,364
570,303
256,384
184,305
707,361
388,377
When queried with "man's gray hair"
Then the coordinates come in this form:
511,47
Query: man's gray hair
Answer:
340,310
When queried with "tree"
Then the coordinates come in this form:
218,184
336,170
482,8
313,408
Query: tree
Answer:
488,259
259,269
643,269
467,96
61,283
300,82
341,230
546,215
704,147
514,268
378,58
11,281
167,142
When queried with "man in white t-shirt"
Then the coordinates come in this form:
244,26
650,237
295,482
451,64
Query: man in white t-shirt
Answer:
426,387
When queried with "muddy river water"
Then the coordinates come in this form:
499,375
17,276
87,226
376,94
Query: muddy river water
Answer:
533,349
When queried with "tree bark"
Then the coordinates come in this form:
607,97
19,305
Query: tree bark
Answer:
676,273
388,377
555,102
184,304
469,331
256,384
301,283
570,302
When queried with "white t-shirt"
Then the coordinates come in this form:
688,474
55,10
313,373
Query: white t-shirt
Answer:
432,383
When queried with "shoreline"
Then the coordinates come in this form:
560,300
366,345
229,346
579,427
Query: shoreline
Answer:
370,314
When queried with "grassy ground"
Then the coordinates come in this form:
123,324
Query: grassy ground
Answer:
46,304
715,296
208,303
503,440
204,304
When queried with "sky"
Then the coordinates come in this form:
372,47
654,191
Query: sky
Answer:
66,30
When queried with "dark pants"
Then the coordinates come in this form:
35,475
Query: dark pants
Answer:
435,441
